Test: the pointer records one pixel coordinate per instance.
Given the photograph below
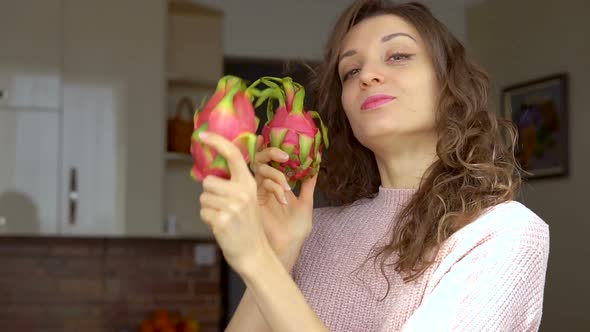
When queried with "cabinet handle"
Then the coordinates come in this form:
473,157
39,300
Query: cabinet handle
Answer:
1,94
73,196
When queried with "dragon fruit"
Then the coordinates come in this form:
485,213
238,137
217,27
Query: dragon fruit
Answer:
229,113
292,129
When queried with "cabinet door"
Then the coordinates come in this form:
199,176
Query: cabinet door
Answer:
195,41
30,61
29,172
113,104
91,170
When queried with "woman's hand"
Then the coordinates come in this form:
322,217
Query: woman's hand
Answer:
287,218
230,208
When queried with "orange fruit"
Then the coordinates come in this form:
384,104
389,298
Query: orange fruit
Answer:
147,326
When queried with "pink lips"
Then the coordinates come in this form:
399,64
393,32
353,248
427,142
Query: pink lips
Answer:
375,101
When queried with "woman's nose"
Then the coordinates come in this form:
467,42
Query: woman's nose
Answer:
371,78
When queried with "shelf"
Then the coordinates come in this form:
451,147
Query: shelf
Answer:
177,156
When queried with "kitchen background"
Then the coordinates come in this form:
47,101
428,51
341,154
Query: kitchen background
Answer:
98,217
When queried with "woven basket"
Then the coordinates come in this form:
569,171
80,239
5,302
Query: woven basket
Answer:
179,129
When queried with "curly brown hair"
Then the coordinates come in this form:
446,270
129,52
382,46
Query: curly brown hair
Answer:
475,169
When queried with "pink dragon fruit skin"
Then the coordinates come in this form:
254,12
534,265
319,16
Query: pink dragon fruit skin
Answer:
292,129
229,113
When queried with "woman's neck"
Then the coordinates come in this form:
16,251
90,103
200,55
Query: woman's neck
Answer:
405,166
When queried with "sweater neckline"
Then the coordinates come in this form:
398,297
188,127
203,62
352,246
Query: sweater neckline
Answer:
395,196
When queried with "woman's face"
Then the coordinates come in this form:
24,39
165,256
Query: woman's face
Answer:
389,87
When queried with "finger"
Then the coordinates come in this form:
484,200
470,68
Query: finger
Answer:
259,141
211,201
208,216
218,186
235,161
276,189
215,219
307,189
270,154
232,205
222,220
264,171
229,191
259,147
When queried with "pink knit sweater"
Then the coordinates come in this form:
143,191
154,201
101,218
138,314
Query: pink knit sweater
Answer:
488,276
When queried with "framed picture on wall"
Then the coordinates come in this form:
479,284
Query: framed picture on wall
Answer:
539,110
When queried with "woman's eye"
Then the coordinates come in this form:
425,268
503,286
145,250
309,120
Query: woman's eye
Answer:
350,74
397,57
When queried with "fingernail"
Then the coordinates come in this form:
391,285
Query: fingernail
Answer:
286,186
203,135
284,200
284,156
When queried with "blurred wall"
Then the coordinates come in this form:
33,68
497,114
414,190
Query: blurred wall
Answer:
518,41
299,29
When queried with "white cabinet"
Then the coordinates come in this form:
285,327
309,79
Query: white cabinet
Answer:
113,116
84,87
30,93
30,54
82,124
89,170
29,171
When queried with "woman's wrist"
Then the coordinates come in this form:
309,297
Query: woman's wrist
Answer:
277,296
265,268
258,262
288,257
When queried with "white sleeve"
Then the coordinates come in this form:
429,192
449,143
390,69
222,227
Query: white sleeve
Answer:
497,286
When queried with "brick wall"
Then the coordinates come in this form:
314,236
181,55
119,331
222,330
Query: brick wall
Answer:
59,284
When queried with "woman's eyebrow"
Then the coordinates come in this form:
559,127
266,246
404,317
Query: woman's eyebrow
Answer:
383,40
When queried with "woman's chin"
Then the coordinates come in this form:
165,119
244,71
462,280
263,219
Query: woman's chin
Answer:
379,134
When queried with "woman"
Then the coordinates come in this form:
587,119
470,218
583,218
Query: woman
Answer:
425,235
